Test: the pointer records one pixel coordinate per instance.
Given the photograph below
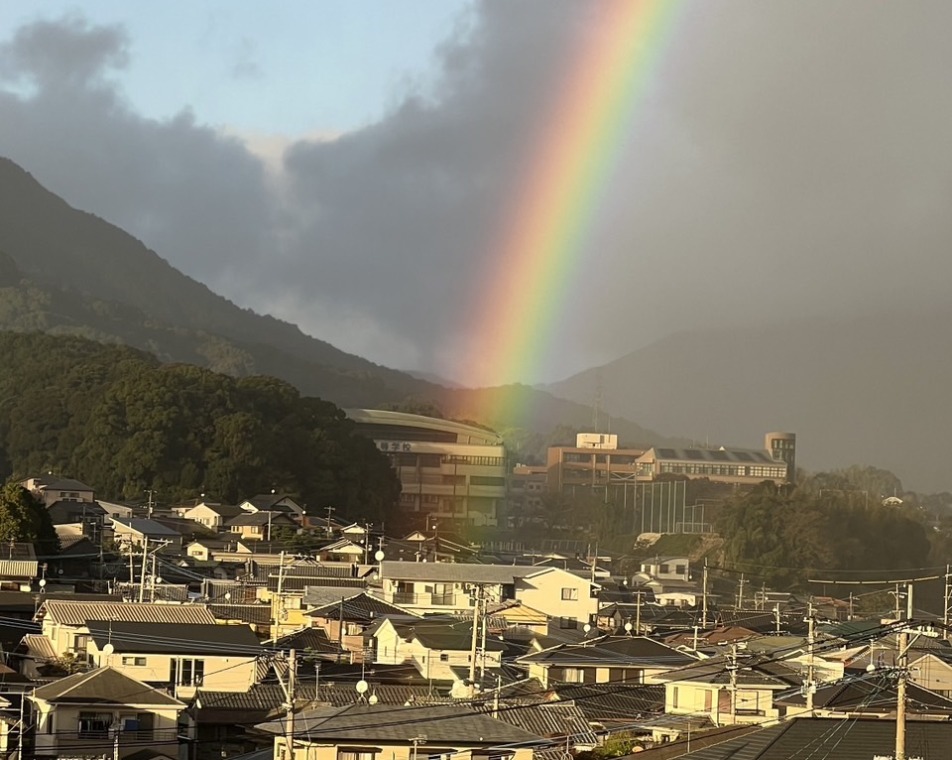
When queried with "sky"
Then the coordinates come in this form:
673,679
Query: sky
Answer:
349,166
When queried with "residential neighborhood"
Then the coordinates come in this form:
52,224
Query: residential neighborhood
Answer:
210,630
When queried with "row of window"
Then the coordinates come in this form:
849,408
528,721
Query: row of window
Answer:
729,470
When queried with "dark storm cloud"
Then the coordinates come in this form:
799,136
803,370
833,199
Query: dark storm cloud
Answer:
787,158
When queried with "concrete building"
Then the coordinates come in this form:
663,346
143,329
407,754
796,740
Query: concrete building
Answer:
447,469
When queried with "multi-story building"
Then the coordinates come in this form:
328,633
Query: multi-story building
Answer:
783,448
447,469
592,464
723,465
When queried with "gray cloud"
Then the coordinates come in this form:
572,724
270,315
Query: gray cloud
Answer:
789,158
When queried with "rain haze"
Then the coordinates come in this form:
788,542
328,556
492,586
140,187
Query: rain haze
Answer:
348,166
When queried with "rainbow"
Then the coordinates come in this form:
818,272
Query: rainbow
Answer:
543,237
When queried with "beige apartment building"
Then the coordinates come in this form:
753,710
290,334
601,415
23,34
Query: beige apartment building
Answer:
448,470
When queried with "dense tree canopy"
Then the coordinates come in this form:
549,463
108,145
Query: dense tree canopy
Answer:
122,422
23,518
786,535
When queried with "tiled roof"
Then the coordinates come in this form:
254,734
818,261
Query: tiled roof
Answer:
77,613
455,572
319,596
801,737
256,614
442,634
612,701
104,686
39,646
358,608
550,719
145,526
211,639
18,568
717,670
445,725
612,650
314,639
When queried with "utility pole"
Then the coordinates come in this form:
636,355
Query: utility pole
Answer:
901,661
151,503
947,614
704,597
811,676
145,555
732,672
472,649
639,595
740,593
329,510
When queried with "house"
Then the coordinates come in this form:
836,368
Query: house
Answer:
88,515
728,691
345,550
872,696
179,656
258,526
346,621
18,566
605,659
104,713
447,587
433,645
135,532
210,515
65,630
286,585
399,732
49,489
274,502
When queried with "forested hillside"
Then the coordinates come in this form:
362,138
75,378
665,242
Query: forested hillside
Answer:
123,422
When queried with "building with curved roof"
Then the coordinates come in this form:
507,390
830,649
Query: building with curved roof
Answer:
447,469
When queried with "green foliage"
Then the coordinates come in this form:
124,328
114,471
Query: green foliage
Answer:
23,518
121,421
786,535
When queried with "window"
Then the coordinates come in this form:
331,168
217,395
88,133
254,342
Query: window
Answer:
357,753
674,697
187,672
568,623
93,725
569,594
444,657
680,569
138,662
574,675
663,569
708,700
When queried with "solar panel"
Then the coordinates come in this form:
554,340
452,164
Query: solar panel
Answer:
667,453
719,456
693,454
742,456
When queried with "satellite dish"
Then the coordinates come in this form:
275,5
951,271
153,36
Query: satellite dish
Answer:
587,627
227,596
362,686
108,649
379,555
373,699
42,582
629,627
871,667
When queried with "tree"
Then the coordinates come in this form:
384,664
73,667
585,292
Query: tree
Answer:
23,518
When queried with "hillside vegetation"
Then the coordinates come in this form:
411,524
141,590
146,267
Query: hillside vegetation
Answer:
123,422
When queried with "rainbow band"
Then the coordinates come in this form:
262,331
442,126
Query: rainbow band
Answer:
543,241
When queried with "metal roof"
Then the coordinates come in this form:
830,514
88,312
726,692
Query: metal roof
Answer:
78,613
